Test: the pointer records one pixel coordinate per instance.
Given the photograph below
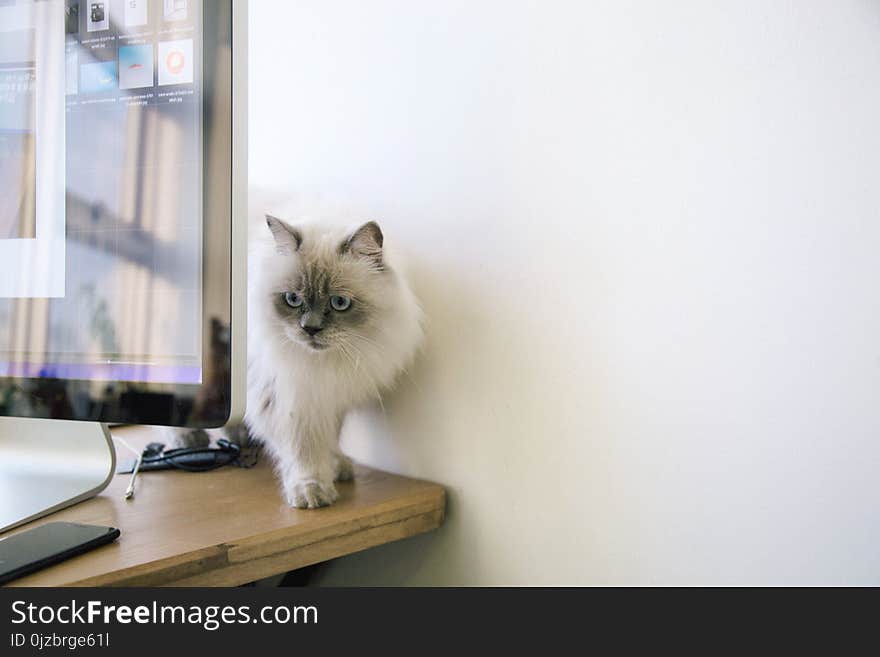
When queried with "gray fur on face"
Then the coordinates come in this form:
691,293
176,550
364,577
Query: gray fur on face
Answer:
353,271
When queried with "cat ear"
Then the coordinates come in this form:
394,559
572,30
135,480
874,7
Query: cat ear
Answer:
287,238
366,242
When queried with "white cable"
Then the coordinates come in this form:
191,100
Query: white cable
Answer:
129,492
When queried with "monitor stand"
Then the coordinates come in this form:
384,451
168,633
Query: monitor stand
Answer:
46,465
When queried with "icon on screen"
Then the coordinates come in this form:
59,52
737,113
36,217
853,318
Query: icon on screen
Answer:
175,10
135,67
99,16
136,12
97,78
176,62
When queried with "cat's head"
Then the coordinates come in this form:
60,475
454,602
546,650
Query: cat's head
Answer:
330,288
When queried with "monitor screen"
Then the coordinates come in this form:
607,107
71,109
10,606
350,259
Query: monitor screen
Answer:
106,109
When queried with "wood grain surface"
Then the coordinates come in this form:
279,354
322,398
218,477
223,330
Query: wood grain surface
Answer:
231,526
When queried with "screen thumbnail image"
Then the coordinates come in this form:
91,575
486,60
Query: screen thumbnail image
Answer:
71,16
98,17
17,152
175,10
176,62
137,12
135,67
17,185
97,78
18,124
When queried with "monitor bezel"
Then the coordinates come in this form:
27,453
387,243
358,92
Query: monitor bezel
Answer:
219,398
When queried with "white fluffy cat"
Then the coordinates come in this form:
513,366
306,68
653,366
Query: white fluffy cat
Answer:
331,323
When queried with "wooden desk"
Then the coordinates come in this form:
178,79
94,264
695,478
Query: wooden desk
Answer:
231,526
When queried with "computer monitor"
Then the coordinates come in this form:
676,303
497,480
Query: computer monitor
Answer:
122,233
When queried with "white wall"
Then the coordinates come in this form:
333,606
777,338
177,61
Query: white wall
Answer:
647,238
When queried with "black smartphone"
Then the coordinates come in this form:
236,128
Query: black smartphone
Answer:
37,548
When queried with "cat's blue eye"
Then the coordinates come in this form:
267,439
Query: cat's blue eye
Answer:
293,300
340,303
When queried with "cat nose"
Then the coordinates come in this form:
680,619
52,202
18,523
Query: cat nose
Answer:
311,323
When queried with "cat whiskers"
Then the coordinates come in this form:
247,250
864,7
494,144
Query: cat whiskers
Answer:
370,379
344,347
355,359
377,346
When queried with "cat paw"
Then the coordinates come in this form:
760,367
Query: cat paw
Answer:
237,434
344,468
310,494
178,438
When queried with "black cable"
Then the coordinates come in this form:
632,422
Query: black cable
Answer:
232,454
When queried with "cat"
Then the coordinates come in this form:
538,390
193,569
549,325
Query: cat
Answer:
332,322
